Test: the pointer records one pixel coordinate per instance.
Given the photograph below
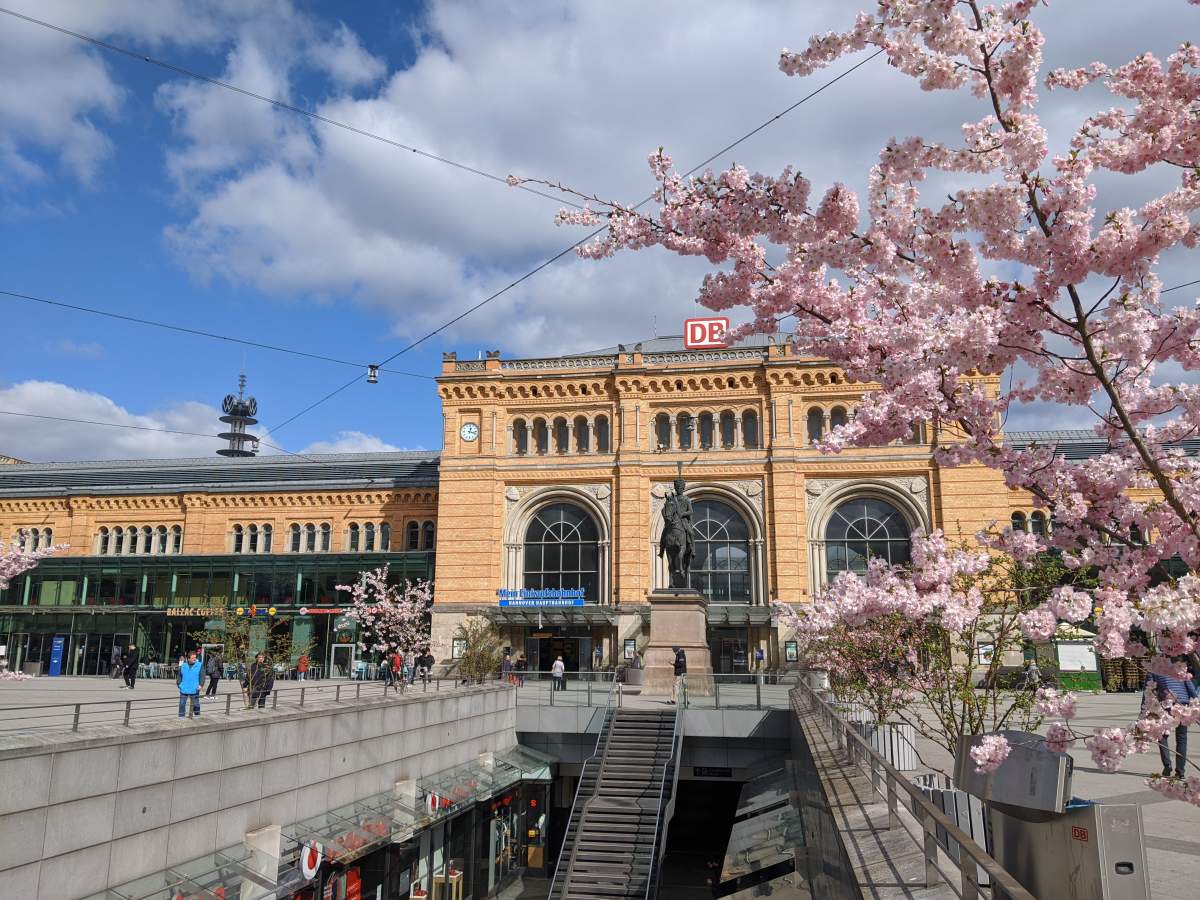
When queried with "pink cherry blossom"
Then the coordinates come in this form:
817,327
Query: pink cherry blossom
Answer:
1059,738
1051,703
393,618
990,753
14,560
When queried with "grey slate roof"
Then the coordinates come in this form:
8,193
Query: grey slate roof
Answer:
206,473
1076,444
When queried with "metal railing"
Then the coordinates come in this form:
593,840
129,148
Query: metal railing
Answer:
889,782
73,716
591,764
756,690
663,815
594,688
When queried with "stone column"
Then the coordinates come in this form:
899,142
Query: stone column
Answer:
737,432
570,444
512,440
673,432
530,446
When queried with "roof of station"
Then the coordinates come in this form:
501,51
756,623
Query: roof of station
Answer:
405,469
673,343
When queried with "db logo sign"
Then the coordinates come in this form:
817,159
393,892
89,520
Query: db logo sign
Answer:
310,859
1079,834
705,334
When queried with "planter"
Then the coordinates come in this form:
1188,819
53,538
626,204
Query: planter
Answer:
895,742
966,811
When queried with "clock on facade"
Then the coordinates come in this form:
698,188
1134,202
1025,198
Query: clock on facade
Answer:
469,432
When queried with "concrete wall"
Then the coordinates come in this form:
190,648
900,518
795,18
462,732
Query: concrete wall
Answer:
80,813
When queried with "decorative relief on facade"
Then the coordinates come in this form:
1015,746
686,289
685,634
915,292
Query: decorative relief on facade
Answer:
515,493
915,485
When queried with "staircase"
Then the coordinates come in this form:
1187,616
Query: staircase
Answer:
618,825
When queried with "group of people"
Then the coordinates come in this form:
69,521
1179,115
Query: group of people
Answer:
257,681
396,671
513,672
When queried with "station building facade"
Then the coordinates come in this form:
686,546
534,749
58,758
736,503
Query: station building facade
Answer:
550,483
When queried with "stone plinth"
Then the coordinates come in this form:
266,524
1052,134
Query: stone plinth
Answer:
677,619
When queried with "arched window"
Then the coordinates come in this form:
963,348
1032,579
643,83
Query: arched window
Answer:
310,538
721,562
412,538
131,539
369,537
602,436
541,437
266,539
30,543
728,429
562,436
750,436
837,418
161,538
685,426
104,538
520,437
863,529
706,431
177,539
325,537
816,425
1018,521
429,535
1135,535
352,542
48,537
562,550
147,539
385,536
1037,523
294,541
583,435
238,539
252,543
118,542
662,431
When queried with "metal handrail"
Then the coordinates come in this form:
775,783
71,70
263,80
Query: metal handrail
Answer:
928,816
126,710
594,759
663,800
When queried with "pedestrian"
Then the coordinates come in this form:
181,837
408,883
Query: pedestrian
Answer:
189,676
424,666
1180,691
115,662
214,668
385,671
130,663
597,658
680,672
1032,677
302,667
397,668
558,672
261,680
521,667
506,669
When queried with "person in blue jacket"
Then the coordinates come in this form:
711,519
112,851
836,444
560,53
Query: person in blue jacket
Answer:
191,671
1180,691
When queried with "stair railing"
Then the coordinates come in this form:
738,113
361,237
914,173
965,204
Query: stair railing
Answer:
595,762
666,808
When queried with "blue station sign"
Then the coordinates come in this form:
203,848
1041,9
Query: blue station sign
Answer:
541,597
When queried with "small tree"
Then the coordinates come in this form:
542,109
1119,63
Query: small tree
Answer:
239,635
393,618
482,651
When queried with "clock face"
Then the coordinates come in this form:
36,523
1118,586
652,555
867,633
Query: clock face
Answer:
469,432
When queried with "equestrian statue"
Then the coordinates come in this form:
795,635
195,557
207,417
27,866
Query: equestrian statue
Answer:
677,538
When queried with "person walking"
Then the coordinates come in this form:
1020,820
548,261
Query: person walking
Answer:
214,668
261,680
397,670
597,658
521,667
130,663
558,674
506,669
302,667
425,666
1032,676
680,671
189,676
115,670
1180,691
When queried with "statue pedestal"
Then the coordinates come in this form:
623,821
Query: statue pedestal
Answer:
677,619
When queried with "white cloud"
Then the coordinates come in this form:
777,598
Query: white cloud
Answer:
351,442
46,440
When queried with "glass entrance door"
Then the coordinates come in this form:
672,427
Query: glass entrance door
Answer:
341,660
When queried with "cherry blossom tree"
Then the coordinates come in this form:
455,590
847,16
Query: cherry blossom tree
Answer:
15,560
1006,266
393,617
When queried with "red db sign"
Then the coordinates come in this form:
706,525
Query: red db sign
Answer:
705,334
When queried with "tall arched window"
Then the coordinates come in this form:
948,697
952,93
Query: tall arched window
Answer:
176,539
429,534
706,431
310,538
721,562
385,537
583,435
161,537
602,437
562,436
562,550
412,536
837,418
353,540
239,538
662,431
685,430
118,541
252,542
369,537
1037,523
862,529
751,438
1018,521
541,437
104,541
520,437
728,429
325,537
294,542
266,538
816,425
147,539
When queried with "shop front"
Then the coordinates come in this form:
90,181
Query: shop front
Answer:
543,635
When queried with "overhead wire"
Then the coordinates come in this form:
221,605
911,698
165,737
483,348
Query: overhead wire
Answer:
201,333
277,103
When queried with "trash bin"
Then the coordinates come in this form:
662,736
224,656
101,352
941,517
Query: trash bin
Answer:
32,668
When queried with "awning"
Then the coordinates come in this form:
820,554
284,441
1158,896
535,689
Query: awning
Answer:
737,614
224,873
589,614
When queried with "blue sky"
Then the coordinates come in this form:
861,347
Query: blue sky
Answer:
127,187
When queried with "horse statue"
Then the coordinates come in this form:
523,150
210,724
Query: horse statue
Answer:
677,540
